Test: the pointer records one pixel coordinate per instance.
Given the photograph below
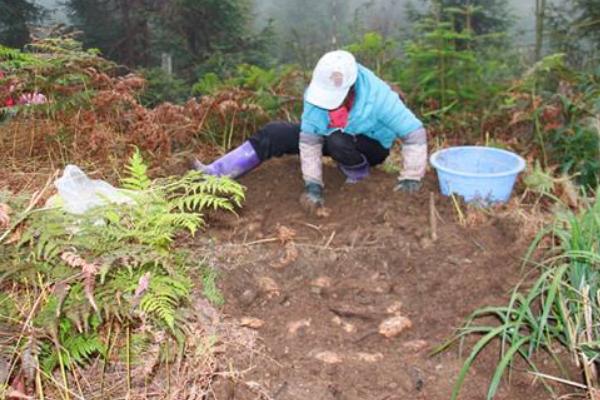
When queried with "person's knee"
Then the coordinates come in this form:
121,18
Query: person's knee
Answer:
341,148
272,131
275,139
378,158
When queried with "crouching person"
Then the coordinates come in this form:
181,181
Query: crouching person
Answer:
350,115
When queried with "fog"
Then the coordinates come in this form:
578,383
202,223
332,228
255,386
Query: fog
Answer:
386,16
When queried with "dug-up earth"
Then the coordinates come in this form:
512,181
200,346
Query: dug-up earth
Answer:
349,305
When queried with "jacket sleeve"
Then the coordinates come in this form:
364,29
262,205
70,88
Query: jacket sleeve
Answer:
311,157
414,155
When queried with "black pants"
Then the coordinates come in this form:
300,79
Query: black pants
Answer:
278,138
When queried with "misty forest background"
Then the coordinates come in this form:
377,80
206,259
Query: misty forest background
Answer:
469,68
217,35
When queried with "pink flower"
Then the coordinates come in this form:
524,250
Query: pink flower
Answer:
32,98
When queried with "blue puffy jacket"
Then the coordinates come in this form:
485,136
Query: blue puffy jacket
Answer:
377,112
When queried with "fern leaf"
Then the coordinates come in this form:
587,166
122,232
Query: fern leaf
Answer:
137,170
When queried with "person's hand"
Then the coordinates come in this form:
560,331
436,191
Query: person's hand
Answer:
408,185
312,198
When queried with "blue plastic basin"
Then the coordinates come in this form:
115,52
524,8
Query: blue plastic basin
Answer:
479,174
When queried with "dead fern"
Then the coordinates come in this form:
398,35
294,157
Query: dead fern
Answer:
4,216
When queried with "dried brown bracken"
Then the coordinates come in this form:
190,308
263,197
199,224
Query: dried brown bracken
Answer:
89,271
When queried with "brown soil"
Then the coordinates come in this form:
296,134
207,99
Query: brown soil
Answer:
371,253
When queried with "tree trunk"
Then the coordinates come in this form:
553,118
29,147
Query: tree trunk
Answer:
127,50
540,13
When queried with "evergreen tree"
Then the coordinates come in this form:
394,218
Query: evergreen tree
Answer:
207,25
211,32
137,32
574,28
481,16
15,15
119,28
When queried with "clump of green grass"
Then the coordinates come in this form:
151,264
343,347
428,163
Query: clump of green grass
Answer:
209,286
560,310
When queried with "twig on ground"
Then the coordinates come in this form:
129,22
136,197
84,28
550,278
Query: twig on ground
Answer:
461,216
261,241
347,312
366,335
330,239
313,227
432,217
479,245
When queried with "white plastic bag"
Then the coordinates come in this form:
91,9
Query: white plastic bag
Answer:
80,193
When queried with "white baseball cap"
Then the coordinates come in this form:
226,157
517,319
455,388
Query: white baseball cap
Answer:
332,78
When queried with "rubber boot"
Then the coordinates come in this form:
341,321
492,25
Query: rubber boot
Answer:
233,164
355,173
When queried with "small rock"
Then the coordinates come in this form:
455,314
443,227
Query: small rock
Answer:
322,282
316,290
319,285
251,322
394,326
248,297
323,212
328,357
369,357
382,288
394,308
415,345
459,262
346,326
269,287
453,260
295,326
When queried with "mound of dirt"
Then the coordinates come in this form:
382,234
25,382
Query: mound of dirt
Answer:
350,306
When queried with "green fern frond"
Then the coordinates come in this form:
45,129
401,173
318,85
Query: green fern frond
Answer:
188,221
164,297
75,350
137,170
17,59
79,349
202,201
